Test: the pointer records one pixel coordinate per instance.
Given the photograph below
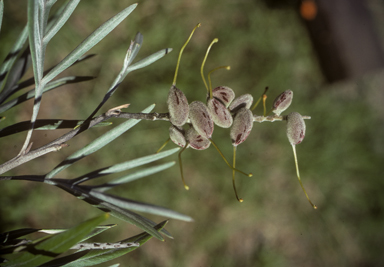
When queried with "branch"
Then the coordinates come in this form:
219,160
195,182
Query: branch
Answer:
59,143
274,118
118,245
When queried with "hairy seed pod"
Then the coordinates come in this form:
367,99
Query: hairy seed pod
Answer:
282,102
295,128
242,126
243,101
177,106
224,94
196,140
201,119
220,114
177,135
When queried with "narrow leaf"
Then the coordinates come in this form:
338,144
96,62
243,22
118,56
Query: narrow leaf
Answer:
31,80
56,245
45,125
89,42
129,56
60,21
10,59
82,193
35,40
50,2
50,86
130,217
36,14
8,237
97,144
125,165
128,204
1,12
95,257
134,176
16,72
99,229
149,60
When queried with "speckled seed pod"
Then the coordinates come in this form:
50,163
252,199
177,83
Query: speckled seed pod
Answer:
282,102
243,101
196,140
177,135
224,94
220,114
295,128
201,119
177,106
242,126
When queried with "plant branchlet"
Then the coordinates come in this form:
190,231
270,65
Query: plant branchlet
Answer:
226,111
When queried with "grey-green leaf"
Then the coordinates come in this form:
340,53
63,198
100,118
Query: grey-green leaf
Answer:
130,217
35,39
149,60
129,56
95,257
10,59
139,206
50,86
1,12
56,245
46,125
97,144
60,21
124,166
89,42
134,176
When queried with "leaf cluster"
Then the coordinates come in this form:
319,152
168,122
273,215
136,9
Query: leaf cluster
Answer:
29,50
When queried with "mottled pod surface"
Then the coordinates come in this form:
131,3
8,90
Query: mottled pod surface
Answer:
224,94
201,118
295,128
243,101
282,102
242,126
220,114
177,106
196,140
177,135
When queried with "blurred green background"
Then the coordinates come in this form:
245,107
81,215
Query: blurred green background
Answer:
341,159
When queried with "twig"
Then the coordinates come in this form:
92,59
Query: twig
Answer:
86,246
274,118
59,143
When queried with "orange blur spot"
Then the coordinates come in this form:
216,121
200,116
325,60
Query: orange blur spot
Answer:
308,9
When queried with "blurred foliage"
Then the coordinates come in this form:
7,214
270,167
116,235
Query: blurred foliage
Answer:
341,159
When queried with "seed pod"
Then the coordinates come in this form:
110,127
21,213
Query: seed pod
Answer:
177,135
295,128
177,106
224,94
242,126
201,119
282,102
296,133
220,114
243,101
196,140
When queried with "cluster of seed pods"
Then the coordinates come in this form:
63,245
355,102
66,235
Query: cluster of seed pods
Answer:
226,111
198,117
